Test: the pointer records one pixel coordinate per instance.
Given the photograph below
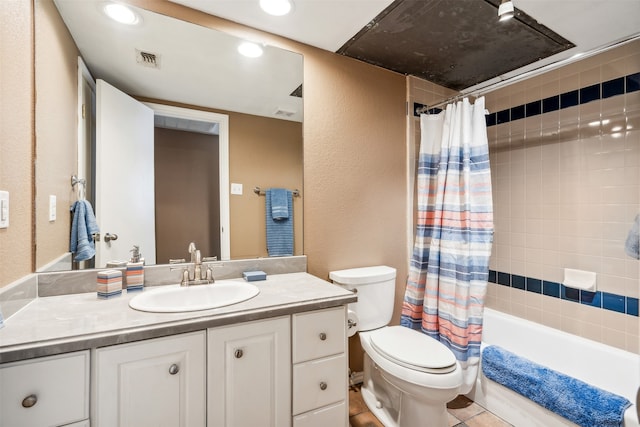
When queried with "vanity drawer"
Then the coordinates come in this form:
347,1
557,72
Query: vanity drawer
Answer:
319,382
46,391
319,334
335,416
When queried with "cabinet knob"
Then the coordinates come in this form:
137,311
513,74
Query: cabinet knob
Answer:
174,369
323,386
323,336
238,353
29,401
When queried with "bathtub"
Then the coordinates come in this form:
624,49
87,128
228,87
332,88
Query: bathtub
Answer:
600,365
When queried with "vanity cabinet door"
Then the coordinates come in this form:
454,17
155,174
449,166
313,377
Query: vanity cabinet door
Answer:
47,391
157,382
249,374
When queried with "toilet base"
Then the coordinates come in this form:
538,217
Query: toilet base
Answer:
396,408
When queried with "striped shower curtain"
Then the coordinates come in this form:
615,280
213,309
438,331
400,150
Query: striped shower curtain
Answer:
447,281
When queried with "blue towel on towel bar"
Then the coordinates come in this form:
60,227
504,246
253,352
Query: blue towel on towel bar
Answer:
279,203
279,231
83,227
575,400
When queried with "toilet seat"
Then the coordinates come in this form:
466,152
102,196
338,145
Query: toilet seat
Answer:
413,350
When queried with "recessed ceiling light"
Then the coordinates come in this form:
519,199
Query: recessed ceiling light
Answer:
249,49
276,7
121,13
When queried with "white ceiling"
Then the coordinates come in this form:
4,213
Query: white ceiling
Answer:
328,24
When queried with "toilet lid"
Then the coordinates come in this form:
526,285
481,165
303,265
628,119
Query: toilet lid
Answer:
413,350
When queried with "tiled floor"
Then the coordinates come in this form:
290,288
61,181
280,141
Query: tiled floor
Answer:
462,413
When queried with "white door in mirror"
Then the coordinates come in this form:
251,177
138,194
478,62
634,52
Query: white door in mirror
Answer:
4,209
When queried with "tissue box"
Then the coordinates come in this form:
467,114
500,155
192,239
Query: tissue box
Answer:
252,276
109,283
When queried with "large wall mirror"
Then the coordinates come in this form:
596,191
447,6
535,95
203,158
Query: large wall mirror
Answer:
211,109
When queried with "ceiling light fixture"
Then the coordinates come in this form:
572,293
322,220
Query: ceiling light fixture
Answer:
276,7
250,50
121,13
505,11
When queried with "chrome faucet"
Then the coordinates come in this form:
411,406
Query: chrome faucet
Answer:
198,276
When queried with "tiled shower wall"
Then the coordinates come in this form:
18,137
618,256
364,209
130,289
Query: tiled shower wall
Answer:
566,189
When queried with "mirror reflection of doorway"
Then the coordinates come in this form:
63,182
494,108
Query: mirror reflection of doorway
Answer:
187,193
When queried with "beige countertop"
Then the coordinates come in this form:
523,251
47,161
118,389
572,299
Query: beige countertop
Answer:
59,324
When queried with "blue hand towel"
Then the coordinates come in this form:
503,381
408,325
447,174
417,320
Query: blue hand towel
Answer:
83,227
577,401
632,244
279,231
279,203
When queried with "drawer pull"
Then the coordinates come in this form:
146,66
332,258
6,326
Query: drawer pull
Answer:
323,386
29,401
238,353
174,369
323,336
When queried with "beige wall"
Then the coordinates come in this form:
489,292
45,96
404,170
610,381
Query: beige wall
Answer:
566,194
16,136
56,130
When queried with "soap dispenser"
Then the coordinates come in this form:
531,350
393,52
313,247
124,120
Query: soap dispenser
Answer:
135,271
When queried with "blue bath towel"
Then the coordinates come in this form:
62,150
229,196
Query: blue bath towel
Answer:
577,401
83,227
279,231
279,203
632,244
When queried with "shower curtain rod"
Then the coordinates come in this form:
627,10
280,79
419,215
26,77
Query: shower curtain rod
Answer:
531,73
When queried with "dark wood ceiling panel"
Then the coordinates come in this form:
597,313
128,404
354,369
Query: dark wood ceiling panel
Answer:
454,43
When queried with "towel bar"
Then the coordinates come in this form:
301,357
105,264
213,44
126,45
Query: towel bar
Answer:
261,192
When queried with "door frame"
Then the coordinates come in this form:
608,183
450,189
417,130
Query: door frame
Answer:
223,166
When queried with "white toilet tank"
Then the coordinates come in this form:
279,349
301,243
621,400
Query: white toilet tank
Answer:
375,287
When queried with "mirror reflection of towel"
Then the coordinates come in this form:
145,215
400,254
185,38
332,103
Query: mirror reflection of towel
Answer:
279,231
279,203
83,227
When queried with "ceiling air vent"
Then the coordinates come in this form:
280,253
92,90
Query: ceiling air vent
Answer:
284,113
147,59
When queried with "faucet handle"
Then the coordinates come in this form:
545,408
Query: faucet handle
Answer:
210,259
177,261
185,275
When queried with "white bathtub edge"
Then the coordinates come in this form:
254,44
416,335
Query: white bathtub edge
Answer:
522,412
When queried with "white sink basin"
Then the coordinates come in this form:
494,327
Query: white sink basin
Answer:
175,298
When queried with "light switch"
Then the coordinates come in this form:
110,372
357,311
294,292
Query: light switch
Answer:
52,207
236,189
4,209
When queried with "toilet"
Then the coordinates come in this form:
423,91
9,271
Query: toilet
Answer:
408,376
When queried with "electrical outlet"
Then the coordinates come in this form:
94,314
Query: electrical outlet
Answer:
4,209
